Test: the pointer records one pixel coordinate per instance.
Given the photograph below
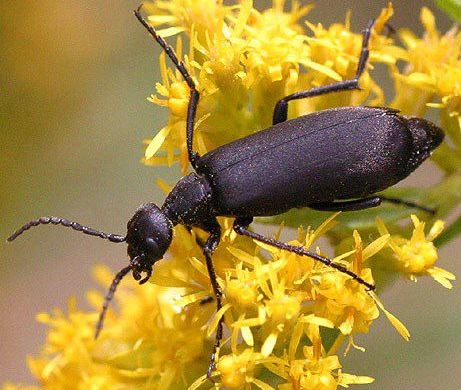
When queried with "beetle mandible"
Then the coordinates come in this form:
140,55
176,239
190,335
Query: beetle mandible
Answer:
331,160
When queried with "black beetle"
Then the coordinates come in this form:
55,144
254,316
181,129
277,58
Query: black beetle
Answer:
330,160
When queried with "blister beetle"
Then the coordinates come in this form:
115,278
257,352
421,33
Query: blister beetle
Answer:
335,159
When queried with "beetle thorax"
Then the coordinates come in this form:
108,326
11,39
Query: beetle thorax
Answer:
189,202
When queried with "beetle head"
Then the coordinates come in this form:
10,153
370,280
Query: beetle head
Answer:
148,237
426,138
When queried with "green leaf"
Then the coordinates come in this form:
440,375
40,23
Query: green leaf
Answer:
451,7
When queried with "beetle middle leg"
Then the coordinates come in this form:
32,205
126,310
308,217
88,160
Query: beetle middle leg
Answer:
281,108
208,249
241,227
194,94
201,244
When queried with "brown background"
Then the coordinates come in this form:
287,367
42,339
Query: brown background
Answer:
75,77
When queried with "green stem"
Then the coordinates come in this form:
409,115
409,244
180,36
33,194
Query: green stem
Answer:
451,7
449,234
336,345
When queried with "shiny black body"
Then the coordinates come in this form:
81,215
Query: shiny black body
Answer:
330,160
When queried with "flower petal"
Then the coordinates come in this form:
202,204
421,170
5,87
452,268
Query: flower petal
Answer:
398,325
269,344
157,142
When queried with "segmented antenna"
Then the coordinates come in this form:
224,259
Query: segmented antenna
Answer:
64,222
108,298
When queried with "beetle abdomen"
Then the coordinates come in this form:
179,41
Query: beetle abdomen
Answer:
342,153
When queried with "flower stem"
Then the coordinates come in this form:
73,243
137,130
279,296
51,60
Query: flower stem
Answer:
336,344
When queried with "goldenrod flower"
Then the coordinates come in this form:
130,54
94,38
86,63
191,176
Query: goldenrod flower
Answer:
433,65
314,368
252,60
417,256
276,304
148,345
432,78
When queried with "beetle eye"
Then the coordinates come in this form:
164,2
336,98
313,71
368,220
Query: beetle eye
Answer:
152,246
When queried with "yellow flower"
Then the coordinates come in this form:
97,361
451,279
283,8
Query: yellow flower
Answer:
343,301
153,342
237,369
432,78
273,43
276,304
207,15
315,369
320,374
337,48
244,61
417,256
433,64
346,304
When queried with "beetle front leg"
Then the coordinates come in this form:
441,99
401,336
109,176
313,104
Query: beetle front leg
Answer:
194,94
208,249
281,108
241,227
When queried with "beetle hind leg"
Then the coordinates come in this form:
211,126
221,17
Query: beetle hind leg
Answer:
281,108
366,203
241,227
347,205
403,202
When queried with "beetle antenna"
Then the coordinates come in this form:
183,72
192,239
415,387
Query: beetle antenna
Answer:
64,222
108,298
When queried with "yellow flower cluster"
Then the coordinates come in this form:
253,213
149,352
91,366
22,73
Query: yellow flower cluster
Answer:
286,317
417,256
245,61
151,343
432,78
161,336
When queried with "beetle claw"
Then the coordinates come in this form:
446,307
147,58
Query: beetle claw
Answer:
147,277
136,275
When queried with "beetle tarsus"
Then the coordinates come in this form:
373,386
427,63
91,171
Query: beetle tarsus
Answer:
413,205
212,365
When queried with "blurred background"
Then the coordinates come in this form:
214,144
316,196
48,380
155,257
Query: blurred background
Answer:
75,78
